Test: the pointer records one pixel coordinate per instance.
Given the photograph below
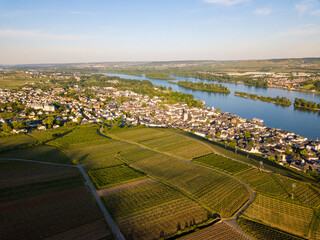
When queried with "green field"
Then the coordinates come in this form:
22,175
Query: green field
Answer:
285,216
255,161
163,141
137,155
81,134
15,141
10,83
84,145
218,231
39,201
278,186
41,153
222,164
112,175
145,209
96,150
221,193
108,162
262,232
44,136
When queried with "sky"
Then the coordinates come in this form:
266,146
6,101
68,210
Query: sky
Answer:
65,31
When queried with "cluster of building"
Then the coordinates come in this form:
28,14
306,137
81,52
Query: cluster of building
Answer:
291,81
137,109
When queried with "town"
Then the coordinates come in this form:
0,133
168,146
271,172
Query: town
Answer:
38,109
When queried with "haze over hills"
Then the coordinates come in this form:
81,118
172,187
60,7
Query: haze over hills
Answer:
282,65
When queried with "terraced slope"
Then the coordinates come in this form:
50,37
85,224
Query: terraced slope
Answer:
220,192
148,209
286,216
218,231
163,141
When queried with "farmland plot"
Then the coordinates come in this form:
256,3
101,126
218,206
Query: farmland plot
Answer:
147,209
262,232
36,174
222,193
43,136
81,134
218,231
136,155
163,141
40,201
41,153
15,141
103,177
42,216
222,164
138,134
96,150
281,187
286,216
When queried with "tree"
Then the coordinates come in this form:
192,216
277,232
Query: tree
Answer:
304,153
79,119
271,158
16,124
6,127
251,143
247,135
49,121
218,134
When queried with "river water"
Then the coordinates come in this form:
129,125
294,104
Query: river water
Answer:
304,123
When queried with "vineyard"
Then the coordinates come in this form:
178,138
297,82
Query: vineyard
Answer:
81,134
262,232
103,177
96,150
218,231
39,153
39,201
29,173
108,162
281,187
137,155
147,209
44,136
222,193
163,141
221,163
285,216
15,141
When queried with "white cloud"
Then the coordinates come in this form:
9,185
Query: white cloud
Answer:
316,13
36,34
303,30
262,11
306,6
226,2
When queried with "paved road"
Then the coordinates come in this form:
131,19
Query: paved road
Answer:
113,226
231,222
107,216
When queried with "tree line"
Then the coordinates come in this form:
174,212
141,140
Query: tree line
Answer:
209,87
277,100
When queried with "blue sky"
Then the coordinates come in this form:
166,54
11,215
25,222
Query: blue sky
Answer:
43,31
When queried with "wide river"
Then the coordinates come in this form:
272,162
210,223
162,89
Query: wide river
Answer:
304,123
